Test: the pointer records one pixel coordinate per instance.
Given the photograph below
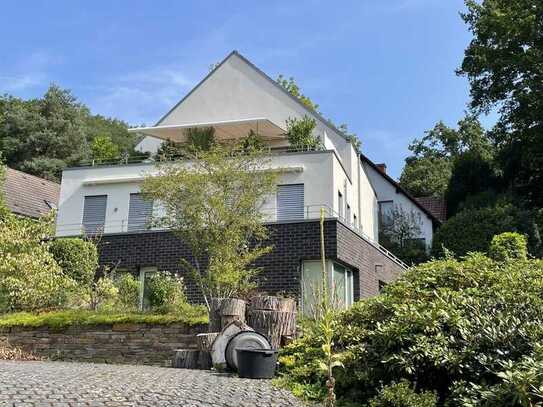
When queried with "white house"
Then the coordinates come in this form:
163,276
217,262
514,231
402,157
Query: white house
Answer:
234,98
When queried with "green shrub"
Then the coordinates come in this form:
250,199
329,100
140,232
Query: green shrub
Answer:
129,292
30,278
403,395
466,329
77,258
473,229
104,295
508,246
166,292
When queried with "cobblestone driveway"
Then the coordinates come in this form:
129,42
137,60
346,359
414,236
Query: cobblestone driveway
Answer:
85,384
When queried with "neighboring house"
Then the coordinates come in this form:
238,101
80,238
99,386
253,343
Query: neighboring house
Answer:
436,205
390,194
28,195
234,98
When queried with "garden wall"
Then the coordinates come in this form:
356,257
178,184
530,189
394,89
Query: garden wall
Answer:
149,344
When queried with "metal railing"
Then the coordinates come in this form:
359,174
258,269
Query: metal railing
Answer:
146,158
270,215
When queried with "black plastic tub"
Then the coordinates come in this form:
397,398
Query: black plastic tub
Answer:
256,363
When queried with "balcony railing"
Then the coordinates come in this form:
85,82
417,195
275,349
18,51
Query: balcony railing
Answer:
310,212
145,158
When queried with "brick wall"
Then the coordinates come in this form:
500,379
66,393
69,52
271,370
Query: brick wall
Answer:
292,242
148,344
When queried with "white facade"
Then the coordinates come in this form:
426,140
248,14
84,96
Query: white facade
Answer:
389,194
237,91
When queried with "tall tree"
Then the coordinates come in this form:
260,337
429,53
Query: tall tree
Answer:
436,157
504,65
42,136
213,203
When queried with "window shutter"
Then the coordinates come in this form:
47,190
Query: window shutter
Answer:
94,213
290,202
139,212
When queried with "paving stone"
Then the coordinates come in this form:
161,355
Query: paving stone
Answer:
86,384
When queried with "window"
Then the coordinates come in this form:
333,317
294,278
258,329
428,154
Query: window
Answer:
140,212
385,212
355,221
340,204
290,202
341,285
348,215
145,274
382,285
94,213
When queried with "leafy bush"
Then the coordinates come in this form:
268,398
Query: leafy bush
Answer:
403,395
300,133
77,258
129,292
466,329
30,278
508,246
166,292
473,229
104,295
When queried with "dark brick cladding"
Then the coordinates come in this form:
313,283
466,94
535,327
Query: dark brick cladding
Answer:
292,244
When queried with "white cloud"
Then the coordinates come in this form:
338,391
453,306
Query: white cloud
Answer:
19,83
27,73
141,96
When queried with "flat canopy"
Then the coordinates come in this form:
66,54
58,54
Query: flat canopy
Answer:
224,130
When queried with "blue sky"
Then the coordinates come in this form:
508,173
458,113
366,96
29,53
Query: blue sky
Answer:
384,67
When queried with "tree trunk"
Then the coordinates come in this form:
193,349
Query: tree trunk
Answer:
271,303
224,311
273,324
205,341
186,359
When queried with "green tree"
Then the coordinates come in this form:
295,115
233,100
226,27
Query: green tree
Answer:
103,149
300,133
503,64
213,205
473,229
451,162
44,135
292,87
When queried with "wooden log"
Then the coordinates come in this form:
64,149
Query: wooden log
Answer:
233,306
204,360
215,314
272,324
186,359
272,303
205,341
225,310
218,349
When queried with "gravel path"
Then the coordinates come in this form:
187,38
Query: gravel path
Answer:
86,384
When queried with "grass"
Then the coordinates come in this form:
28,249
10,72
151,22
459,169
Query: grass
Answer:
190,315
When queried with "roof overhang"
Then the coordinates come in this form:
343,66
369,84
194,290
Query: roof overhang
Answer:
224,130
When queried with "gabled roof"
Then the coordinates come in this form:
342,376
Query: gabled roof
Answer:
28,195
310,112
400,189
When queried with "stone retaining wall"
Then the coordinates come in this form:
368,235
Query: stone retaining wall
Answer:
149,344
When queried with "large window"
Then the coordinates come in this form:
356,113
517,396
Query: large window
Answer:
340,281
386,209
94,213
290,202
140,212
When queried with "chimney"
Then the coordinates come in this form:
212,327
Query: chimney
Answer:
382,167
